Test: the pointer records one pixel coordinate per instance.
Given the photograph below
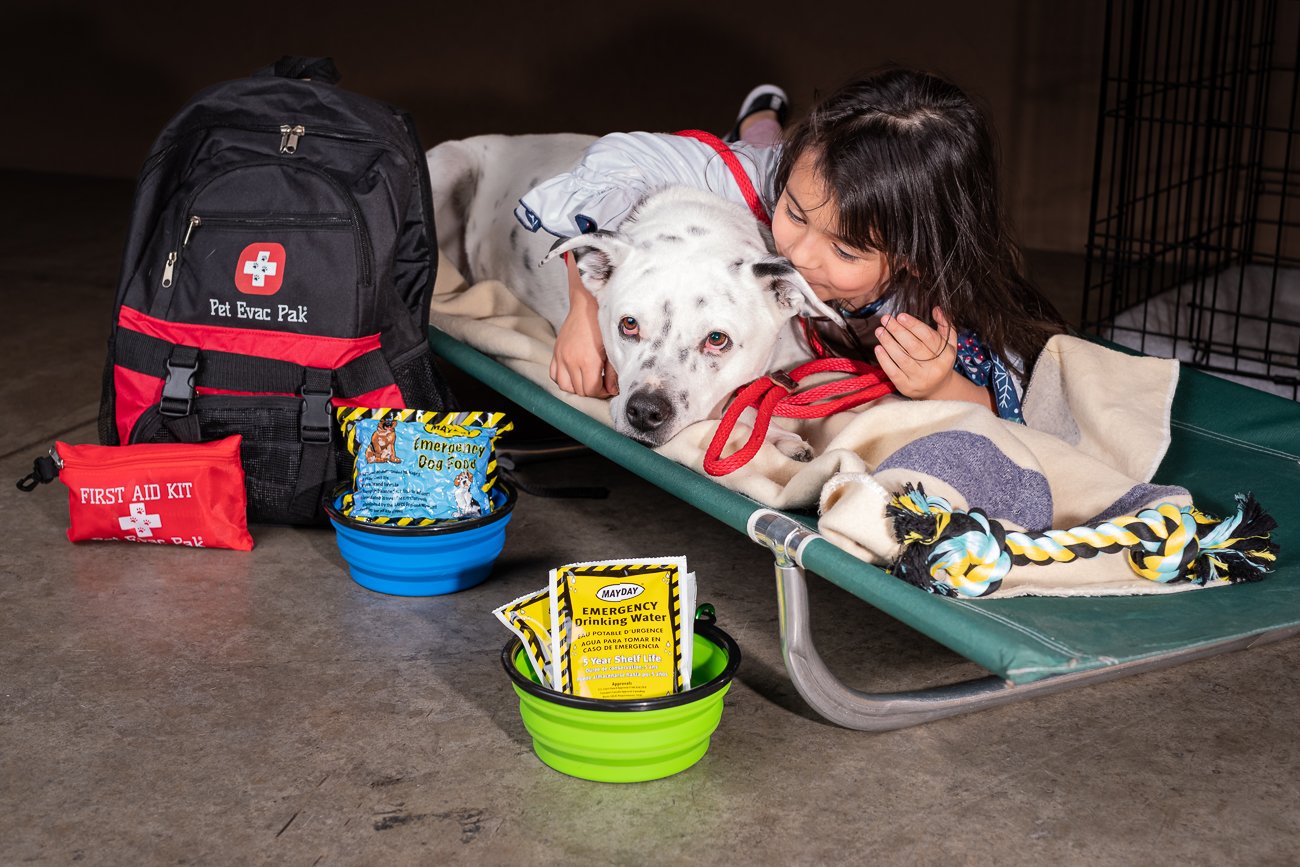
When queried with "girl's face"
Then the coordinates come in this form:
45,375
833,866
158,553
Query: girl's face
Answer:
805,229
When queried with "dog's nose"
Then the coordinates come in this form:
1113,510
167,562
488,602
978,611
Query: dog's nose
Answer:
648,411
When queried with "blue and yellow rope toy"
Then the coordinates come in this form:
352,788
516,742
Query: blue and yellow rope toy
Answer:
965,553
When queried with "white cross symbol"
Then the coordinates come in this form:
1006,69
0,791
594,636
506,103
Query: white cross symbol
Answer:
260,267
139,521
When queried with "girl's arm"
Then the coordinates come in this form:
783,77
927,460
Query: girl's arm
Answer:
578,364
617,170
919,360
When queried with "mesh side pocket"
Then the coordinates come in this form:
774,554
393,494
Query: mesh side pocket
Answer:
421,384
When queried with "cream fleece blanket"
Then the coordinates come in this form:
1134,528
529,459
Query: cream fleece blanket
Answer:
1097,429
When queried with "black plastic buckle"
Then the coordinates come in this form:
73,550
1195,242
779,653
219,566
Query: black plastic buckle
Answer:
314,423
178,389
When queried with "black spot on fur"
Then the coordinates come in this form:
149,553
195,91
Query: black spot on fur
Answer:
773,268
658,344
527,260
695,364
593,262
782,290
701,302
684,399
671,239
714,365
728,297
735,266
648,364
683,354
634,214
514,237
697,231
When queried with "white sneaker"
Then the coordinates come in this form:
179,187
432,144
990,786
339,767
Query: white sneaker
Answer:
765,97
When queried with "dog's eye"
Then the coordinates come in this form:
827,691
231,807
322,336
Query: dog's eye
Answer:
717,341
628,327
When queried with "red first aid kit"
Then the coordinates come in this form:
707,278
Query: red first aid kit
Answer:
164,494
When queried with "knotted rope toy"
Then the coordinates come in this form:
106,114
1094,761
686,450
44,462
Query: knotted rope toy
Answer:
965,553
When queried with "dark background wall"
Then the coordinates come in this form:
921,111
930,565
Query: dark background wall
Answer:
85,87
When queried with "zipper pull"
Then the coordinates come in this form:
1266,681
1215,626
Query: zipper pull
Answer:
168,268
289,136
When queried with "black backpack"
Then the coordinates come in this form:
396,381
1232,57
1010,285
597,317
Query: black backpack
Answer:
281,258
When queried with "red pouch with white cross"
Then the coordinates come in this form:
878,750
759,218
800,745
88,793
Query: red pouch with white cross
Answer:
163,494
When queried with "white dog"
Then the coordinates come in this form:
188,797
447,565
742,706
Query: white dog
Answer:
692,303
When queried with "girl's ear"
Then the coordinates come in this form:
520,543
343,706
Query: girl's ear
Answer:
791,290
597,254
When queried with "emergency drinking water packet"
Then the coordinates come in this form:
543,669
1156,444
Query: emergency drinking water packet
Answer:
618,630
414,467
529,617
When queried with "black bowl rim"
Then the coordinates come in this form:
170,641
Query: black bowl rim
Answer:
450,526
702,627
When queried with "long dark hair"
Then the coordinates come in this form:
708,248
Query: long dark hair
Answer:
910,161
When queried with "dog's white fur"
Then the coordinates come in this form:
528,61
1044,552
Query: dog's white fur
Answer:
687,266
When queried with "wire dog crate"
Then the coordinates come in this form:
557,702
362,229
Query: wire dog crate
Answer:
1194,249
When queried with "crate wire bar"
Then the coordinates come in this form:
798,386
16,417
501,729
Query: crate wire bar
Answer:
1193,250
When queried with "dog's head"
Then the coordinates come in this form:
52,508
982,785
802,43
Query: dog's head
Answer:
693,305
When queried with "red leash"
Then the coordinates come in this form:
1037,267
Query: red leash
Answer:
775,394
738,172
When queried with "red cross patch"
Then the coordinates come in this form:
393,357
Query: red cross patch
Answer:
259,270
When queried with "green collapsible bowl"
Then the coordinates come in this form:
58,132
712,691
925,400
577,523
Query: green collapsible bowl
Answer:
627,741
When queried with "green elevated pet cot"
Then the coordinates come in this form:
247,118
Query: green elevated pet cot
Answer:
1226,438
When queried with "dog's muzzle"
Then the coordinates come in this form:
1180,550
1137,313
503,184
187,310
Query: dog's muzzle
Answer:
648,412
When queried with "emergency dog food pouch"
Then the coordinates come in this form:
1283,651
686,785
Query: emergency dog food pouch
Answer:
158,493
617,628
417,467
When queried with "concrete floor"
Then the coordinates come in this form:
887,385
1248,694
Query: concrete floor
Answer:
165,705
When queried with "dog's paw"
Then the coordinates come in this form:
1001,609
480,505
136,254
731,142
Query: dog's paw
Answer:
795,449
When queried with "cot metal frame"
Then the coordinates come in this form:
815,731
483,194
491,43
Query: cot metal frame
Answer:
878,712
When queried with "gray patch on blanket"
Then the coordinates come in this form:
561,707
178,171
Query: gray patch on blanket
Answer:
986,477
1137,497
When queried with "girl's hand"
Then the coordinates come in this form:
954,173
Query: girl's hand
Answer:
919,359
579,365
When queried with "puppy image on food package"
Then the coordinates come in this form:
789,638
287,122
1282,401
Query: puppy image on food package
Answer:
419,465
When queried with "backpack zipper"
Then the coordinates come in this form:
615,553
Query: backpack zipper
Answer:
195,221
173,258
364,251
289,135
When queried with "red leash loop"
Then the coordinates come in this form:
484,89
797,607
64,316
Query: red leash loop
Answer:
737,170
775,394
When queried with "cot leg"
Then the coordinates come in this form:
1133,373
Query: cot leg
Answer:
864,711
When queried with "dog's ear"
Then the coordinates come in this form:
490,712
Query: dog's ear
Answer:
790,289
597,255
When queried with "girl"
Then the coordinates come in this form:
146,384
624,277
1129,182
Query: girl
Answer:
886,203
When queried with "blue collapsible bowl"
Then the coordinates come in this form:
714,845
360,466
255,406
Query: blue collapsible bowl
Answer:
422,561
